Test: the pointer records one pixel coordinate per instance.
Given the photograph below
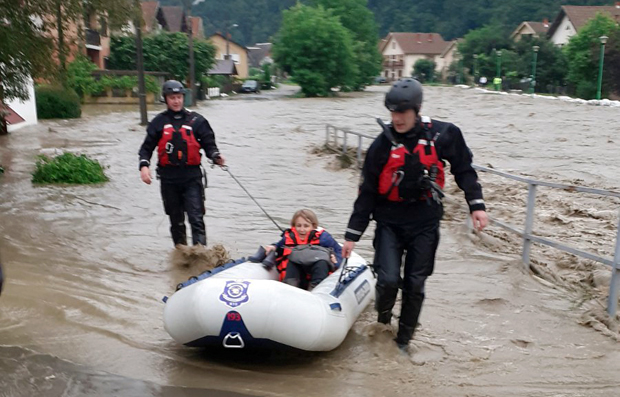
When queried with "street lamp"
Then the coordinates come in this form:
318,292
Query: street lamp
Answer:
234,25
459,75
603,40
534,59
475,68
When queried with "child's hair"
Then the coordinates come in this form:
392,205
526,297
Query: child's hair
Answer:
308,215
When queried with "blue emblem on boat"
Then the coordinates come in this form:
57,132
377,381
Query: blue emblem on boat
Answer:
235,293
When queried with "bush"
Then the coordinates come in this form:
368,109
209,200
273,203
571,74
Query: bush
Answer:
80,78
68,168
57,103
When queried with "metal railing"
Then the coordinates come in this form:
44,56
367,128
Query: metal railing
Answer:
338,136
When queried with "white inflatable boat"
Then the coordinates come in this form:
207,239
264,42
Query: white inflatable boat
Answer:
242,305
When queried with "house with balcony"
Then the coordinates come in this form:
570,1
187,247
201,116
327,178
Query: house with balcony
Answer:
401,51
571,19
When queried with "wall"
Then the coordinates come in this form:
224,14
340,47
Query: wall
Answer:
27,109
238,54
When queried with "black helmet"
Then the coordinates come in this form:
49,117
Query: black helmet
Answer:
172,87
404,94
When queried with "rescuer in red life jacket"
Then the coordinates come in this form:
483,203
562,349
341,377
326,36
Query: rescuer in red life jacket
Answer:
401,189
178,135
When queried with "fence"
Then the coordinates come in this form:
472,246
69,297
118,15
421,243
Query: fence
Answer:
338,137
213,92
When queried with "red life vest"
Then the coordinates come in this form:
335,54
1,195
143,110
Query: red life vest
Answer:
178,147
393,171
292,239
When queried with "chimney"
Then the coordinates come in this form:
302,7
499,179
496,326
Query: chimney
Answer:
546,22
617,4
430,37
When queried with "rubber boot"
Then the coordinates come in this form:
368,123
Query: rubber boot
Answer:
270,261
410,313
259,256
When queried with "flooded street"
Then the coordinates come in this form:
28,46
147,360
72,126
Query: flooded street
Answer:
87,266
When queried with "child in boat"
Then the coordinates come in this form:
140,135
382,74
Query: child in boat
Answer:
306,253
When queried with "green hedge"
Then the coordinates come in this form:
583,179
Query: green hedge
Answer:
68,168
57,103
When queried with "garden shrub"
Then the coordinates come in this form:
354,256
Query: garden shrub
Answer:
68,168
55,102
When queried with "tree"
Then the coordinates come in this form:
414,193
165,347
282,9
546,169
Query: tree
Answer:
424,70
316,50
359,20
611,73
583,54
163,52
24,52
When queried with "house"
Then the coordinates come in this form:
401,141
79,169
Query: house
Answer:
228,49
173,19
19,113
401,51
259,54
571,19
151,16
446,58
88,36
531,29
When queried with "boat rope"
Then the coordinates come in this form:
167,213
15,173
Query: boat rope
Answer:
227,169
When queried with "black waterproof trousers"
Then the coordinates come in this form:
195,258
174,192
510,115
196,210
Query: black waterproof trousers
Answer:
419,241
297,274
180,198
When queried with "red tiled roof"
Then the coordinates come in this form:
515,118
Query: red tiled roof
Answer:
419,43
580,15
149,13
174,17
197,30
539,27
11,116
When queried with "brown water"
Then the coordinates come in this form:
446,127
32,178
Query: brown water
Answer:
86,267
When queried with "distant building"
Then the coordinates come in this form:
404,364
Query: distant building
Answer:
401,51
446,58
228,49
571,19
531,29
259,54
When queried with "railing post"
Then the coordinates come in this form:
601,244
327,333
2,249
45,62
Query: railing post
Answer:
359,150
529,224
326,134
614,285
344,141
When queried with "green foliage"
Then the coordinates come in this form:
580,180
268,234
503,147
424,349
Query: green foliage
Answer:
611,73
80,78
24,52
316,50
218,81
359,20
267,76
68,168
583,54
424,70
55,102
163,52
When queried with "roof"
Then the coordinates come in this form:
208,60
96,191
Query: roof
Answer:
11,116
231,41
223,66
174,18
450,45
197,27
539,28
149,13
257,53
419,43
580,15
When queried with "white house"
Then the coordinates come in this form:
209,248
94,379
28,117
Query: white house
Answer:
401,51
571,19
21,113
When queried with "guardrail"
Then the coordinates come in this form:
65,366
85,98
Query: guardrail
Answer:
338,136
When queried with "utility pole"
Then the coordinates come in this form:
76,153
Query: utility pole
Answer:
140,64
599,84
190,37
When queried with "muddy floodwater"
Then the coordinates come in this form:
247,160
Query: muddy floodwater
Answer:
87,266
